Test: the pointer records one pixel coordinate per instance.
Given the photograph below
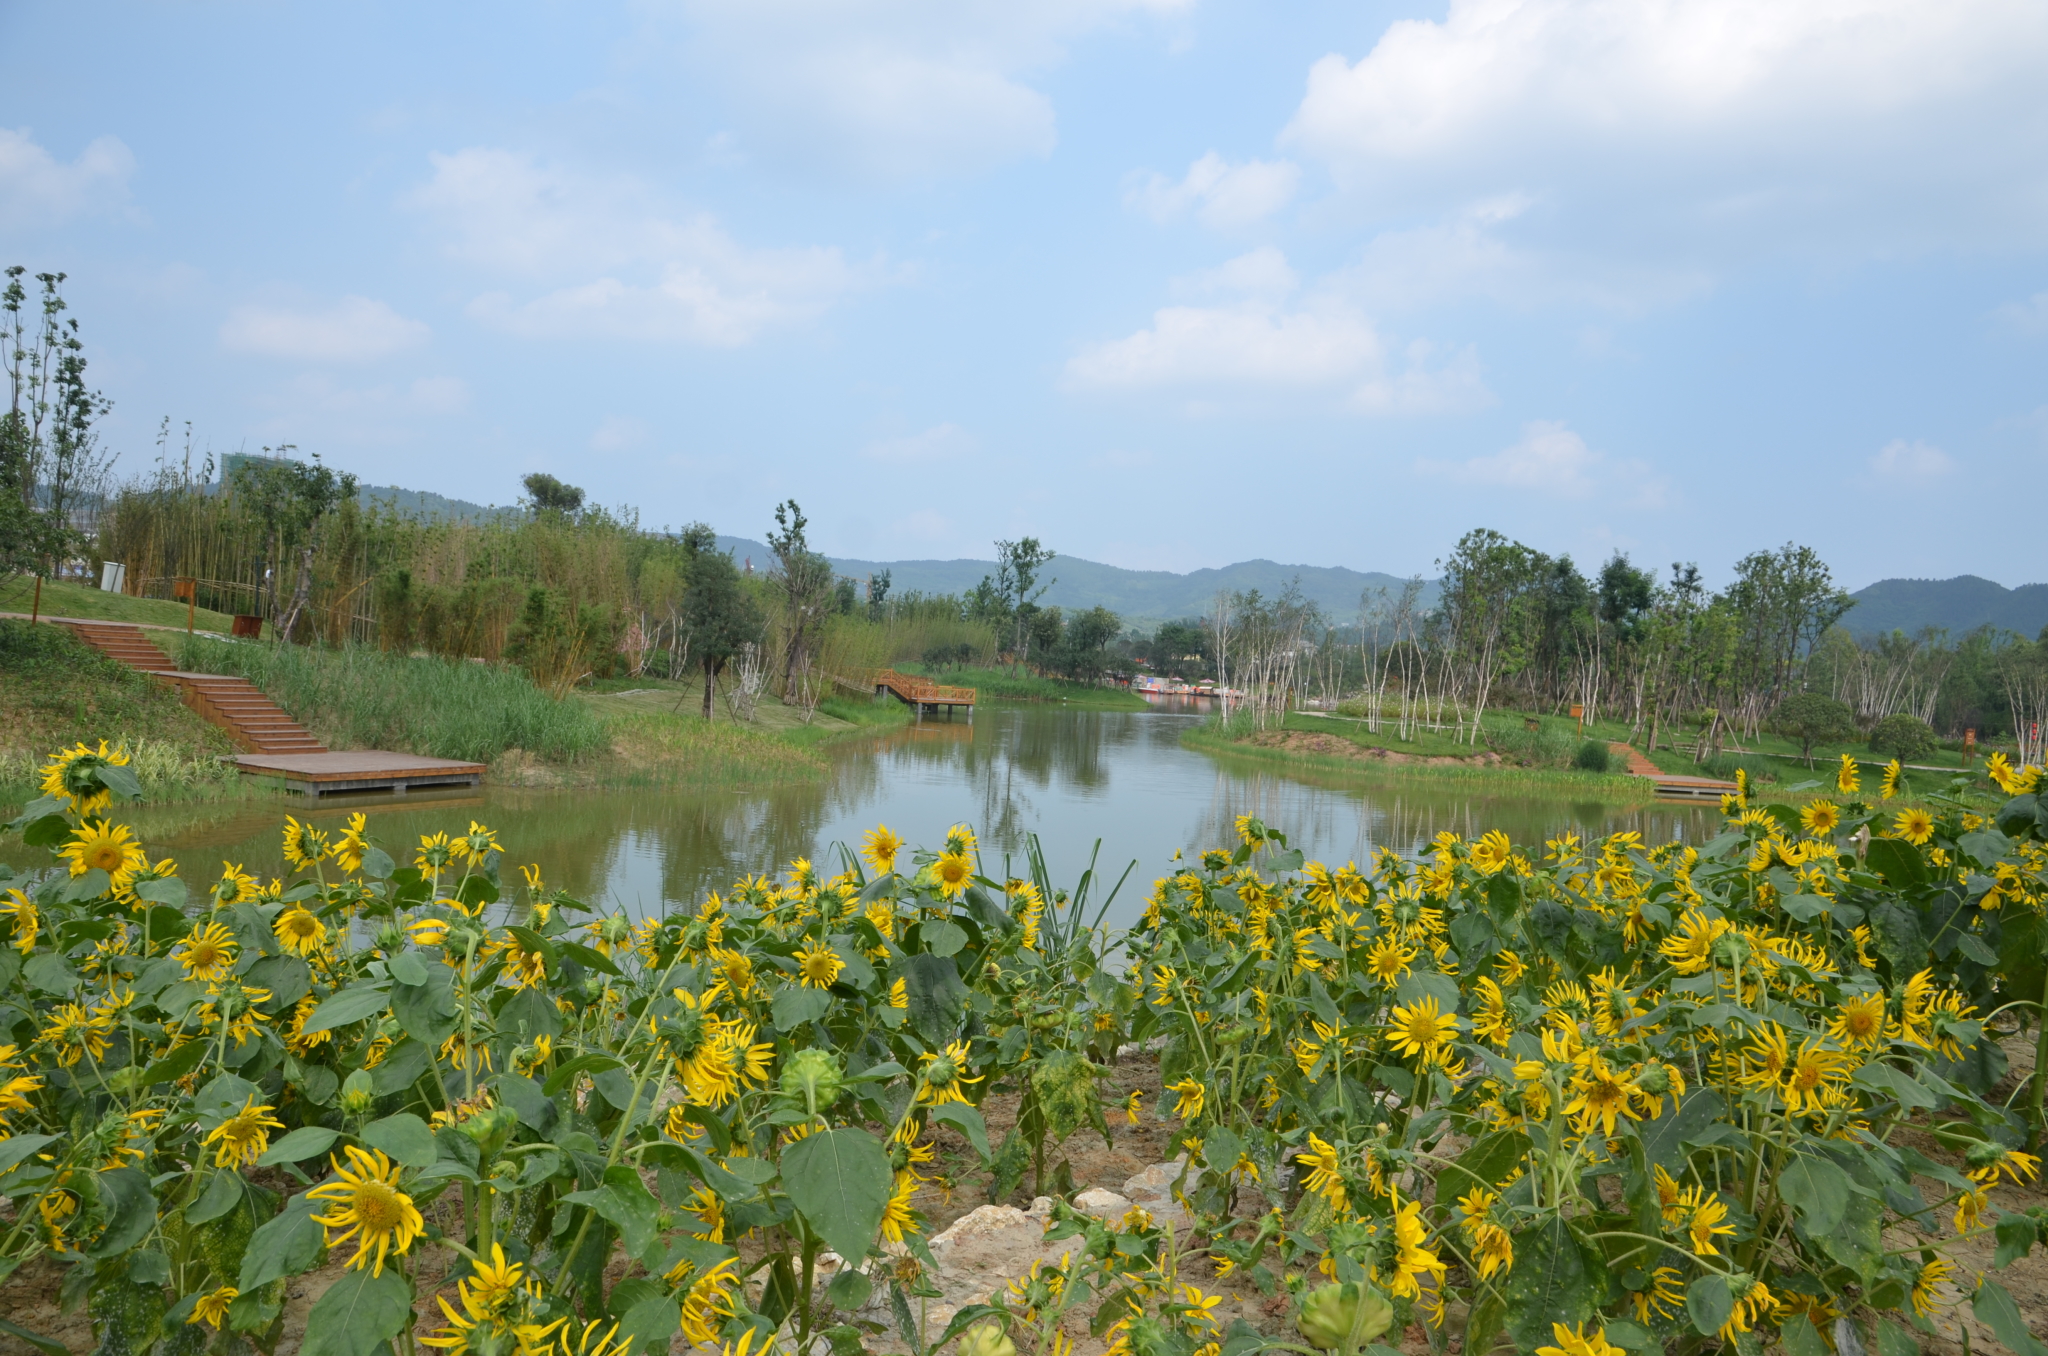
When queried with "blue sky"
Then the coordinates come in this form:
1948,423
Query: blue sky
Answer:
1166,283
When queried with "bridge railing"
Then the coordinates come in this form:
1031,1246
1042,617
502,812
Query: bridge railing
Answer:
912,688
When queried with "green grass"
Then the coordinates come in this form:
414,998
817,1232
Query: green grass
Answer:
1224,742
57,691
358,697
63,598
1003,686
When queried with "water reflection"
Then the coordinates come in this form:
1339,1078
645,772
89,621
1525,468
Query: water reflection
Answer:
1071,776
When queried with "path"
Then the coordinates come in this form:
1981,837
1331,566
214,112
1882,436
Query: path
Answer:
1670,785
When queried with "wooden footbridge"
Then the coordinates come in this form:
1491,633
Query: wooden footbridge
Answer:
922,693
1671,785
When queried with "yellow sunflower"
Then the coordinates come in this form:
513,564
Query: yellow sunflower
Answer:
1325,1177
235,886
1847,780
299,932
1916,826
1820,818
881,848
72,775
1422,1029
98,845
27,922
819,964
954,873
368,1207
208,953
304,845
243,1137
212,1308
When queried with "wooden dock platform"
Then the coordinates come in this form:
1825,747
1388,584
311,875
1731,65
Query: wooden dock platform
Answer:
1672,785
923,693
327,774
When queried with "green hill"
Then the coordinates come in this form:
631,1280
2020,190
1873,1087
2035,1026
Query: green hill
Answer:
1960,604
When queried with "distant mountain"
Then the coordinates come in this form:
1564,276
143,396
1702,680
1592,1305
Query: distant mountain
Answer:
430,505
1960,604
1139,596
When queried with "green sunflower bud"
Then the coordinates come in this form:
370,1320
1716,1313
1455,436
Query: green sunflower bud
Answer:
1655,1080
813,1078
987,1339
1341,1317
357,1095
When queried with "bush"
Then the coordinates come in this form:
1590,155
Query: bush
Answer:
1593,756
1813,718
1906,738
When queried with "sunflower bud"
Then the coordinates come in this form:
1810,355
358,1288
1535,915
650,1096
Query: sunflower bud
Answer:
357,1096
1984,1154
1654,1079
490,1129
987,1339
1730,949
1344,1317
390,939
813,1078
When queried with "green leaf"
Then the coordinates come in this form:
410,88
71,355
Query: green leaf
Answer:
795,1004
533,1107
653,1320
45,831
49,972
1320,1002
938,1000
1801,1338
840,1180
405,1137
1665,1139
170,891
427,1011
1898,861
1549,1283
625,1203
284,1245
407,967
287,977
2017,1235
1881,1077
967,1120
1710,1303
13,1150
91,885
1995,1310
308,1141
222,1097
401,1067
223,1193
377,864
131,1211
349,1006
590,958
47,1346
118,779
593,1064
1818,1190
1985,846
529,1013
1429,984
358,1314
1487,1161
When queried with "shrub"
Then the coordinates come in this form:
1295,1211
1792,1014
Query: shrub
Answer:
1593,756
1813,718
1906,738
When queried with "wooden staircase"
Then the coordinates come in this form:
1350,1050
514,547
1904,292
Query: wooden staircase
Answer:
237,705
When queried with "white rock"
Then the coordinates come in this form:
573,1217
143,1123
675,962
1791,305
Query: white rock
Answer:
1102,1204
1041,1208
1154,1186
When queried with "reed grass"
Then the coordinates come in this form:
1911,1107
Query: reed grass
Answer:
354,696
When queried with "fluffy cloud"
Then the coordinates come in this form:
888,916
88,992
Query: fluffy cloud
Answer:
893,89
1550,459
1706,125
1223,195
353,330
37,189
664,276
1261,339
1913,463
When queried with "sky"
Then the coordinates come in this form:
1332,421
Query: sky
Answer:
1165,283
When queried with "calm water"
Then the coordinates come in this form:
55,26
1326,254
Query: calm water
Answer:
1070,776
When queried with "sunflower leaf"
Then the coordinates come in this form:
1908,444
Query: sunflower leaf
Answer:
358,1314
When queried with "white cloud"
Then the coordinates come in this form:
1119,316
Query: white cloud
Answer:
1258,340
940,443
2029,316
1911,463
1701,125
894,89
663,275
354,329
1550,459
440,395
36,189
1223,195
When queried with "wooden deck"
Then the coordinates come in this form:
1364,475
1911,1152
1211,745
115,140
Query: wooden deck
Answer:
922,693
1672,785
327,774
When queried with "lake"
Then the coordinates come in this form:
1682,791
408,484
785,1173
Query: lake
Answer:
1072,777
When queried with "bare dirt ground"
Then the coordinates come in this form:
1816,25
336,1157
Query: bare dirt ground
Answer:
1336,746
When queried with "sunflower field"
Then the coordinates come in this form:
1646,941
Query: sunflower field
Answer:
1578,1099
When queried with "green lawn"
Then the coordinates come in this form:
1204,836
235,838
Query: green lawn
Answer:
64,598
1001,685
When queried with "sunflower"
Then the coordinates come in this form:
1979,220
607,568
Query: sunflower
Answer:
881,848
1387,960
1325,1177
1894,780
1931,1275
1820,818
1492,1249
898,1218
299,932
27,922
1510,967
1575,1341
1846,779
594,1343
1599,1094
954,872
207,953
945,1076
235,886
369,1207
212,1308
1859,1022
74,776
1422,1030
77,1033
1133,1104
350,848
304,845
99,846
1190,1096
1815,1071
1703,1215
819,965
1492,852
434,852
243,1137
1691,949
1664,1298
1914,825
476,845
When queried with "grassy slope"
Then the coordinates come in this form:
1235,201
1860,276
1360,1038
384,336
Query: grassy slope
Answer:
1002,685
62,598
56,691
